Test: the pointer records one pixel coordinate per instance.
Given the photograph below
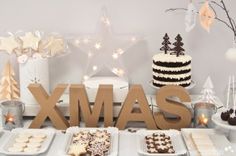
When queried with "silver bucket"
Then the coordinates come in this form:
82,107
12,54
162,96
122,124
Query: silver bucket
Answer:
12,114
203,113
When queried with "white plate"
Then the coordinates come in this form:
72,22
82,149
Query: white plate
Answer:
112,130
13,135
219,140
224,124
193,84
176,140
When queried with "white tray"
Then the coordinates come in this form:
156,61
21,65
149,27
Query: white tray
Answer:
218,139
112,130
176,140
14,133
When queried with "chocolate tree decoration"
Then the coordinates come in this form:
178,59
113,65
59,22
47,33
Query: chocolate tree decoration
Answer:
178,49
166,44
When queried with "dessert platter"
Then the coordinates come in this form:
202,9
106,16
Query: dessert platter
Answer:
226,119
160,142
92,141
27,142
206,142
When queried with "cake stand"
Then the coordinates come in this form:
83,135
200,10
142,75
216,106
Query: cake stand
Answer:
224,124
193,84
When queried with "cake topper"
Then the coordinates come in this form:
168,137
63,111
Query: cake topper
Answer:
178,49
165,44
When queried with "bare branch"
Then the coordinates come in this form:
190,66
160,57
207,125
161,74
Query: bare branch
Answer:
216,18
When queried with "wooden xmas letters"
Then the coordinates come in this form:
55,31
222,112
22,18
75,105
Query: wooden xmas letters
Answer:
79,100
80,106
48,106
182,112
135,95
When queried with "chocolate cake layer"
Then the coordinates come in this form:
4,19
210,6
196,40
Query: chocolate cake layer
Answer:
171,64
160,85
163,79
171,72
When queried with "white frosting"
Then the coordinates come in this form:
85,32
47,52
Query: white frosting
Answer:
171,68
162,57
171,83
176,76
232,115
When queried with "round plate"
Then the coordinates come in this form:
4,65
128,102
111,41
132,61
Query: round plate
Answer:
224,124
193,84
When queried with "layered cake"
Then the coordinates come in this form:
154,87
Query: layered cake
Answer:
169,69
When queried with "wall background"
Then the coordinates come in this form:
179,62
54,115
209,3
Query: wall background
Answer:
141,17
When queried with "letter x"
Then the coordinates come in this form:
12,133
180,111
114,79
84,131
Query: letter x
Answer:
48,106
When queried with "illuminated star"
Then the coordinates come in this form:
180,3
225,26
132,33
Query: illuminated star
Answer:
104,49
30,41
8,44
9,118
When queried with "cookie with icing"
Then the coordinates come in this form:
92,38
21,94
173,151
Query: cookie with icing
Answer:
162,149
77,150
97,149
152,150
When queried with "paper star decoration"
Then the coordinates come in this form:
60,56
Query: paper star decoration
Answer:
104,49
53,45
9,118
31,41
206,16
9,44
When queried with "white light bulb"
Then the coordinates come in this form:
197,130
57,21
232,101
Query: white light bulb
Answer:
114,70
106,21
77,42
115,56
120,72
120,51
86,41
90,54
133,39
86,77
95,68
98,46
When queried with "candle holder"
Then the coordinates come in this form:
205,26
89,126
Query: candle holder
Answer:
12,114
202,115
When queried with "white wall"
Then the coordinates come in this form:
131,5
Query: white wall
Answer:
142,17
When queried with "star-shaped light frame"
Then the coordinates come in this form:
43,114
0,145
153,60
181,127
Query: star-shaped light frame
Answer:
105,48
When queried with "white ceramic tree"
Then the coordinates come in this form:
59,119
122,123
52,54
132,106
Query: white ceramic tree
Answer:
208,94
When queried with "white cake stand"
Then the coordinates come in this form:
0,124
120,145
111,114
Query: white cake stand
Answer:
193,84
224,124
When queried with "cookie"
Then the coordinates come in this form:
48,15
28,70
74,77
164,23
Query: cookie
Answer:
162,149
30,149
98,149
36,140
152,150
15,149
151,146
19,145
40,135
22,140
34,145
171,150
77,150
25,135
